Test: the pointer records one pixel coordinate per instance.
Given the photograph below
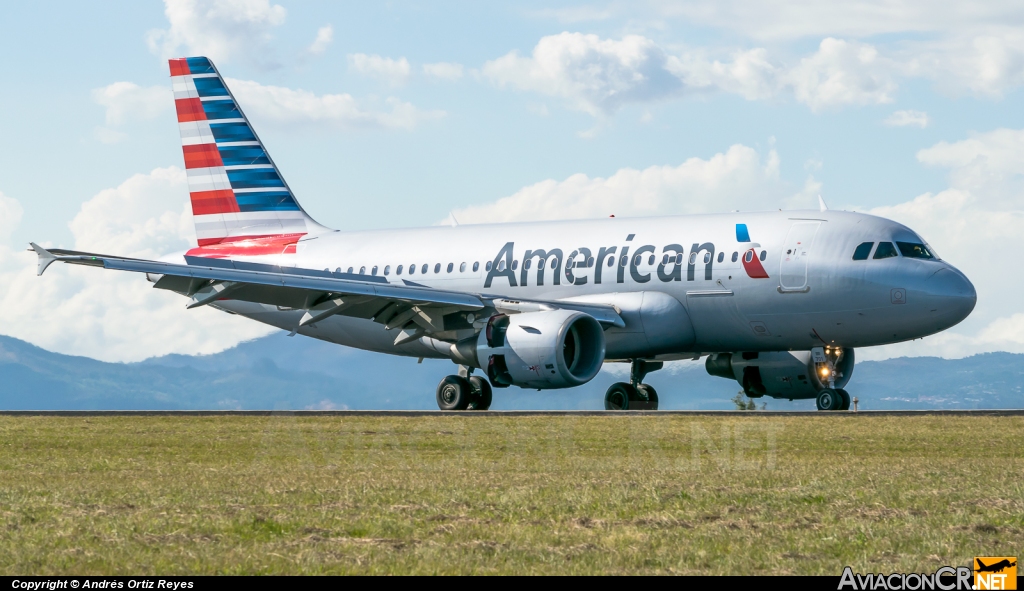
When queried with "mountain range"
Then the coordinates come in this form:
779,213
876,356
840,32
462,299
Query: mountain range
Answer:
278,373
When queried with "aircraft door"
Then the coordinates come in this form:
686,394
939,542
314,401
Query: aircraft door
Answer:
795,252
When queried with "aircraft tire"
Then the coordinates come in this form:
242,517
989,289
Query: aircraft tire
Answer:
829,399
846,399
454,393
481,398
648,397
620,396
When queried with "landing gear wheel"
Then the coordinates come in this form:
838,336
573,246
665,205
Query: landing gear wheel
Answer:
619,396
829,399
846,399
454,393
481,394
648,397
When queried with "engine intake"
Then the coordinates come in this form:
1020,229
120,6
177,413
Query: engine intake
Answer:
544,350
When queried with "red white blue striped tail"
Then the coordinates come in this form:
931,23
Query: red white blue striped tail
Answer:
240,202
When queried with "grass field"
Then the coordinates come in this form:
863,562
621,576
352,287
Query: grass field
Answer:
740,494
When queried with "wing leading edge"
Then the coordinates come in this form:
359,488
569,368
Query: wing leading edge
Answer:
413,310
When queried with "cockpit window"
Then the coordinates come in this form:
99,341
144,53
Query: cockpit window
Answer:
885,250
862,252
915,250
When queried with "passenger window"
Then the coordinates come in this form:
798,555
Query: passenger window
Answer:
412,269
590,262
664,259
527,263
398,271
338,270
488,267
735,256
693,258
707,257
362,270
624,261
679,259
462,268
437,267
423,269
501,265
885,250
374,271
611,261
387,269
721,257
350,270
636,260
863,250
451,267
476,266
650,260
515,265
915,250
764,255
554,263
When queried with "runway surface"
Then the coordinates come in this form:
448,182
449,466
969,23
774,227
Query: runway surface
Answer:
498,413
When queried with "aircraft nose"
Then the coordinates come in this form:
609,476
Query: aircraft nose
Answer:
951,294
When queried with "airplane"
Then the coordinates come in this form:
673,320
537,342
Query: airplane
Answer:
777,300
994,568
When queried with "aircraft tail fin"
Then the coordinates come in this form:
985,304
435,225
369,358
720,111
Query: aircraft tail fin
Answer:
241,204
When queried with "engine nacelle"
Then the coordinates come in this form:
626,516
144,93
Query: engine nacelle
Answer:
785,374
543,350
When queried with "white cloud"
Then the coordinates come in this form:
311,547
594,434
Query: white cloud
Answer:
127,101
735,179
594,75
218,29
324,36
105,135
443,70
285,105
394,72
975,225
111,315
842,73
908,118
599,76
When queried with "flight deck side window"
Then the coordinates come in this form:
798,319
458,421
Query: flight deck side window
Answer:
863,250
915,250
885,250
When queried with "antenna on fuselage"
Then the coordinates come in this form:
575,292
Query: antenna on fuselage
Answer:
821,204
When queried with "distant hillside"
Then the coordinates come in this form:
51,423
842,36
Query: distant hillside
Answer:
277,372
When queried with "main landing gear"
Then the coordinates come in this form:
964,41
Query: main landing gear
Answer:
464,392
634,395
833,399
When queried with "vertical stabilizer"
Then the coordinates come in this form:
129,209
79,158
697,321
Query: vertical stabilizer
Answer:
240,202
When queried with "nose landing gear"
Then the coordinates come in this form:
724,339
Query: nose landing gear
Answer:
826,360
634,395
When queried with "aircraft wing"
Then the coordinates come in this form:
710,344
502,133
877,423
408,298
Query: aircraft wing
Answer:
413,310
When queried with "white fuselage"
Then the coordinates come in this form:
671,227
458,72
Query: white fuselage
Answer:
687,293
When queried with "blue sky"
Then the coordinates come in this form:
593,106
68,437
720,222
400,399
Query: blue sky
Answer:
395,114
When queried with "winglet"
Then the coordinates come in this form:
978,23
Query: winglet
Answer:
45,257
821,204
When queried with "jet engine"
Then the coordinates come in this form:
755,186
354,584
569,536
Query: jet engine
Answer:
785,374
544,350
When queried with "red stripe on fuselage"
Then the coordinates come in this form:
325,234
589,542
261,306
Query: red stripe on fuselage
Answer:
211,202
202,156
179,67
189,109
219,248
